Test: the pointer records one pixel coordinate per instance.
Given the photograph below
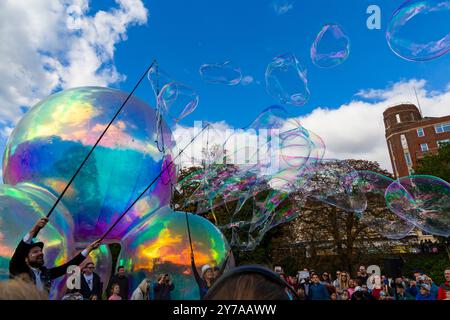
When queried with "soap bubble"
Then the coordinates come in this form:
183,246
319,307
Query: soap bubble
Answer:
53,138
331,47
378,216
21,206
161,245
331,181
255,184
422,200
177,101
286,80
221,73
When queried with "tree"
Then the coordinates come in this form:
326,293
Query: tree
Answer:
436,164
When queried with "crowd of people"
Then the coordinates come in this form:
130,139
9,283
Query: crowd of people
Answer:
427,246
312,285
31,279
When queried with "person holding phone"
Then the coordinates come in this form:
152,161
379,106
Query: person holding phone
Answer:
163,287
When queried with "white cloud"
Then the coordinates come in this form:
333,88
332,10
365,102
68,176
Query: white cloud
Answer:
57,44
356,130
282,6
215,134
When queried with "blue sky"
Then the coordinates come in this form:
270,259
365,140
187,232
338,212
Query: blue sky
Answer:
49,45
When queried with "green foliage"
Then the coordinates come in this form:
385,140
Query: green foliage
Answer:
437,165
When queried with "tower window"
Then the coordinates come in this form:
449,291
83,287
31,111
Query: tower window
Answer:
440,143
424,147
442,127
420,132
404,141
408,159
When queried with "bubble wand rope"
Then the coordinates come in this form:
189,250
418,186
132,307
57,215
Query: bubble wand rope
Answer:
189,233
97,142
150,185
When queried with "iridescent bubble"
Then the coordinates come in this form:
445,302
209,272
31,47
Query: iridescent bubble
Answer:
422,200
286,80
158,78
419,30
53,138
295,147
161,245
318,147
174,101
378,216
331,47
255,186
221,73
331,181
177,101
283,143
21,206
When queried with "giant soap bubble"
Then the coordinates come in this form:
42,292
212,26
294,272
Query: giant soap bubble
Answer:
422,200
286,80
331,47
419,30
20,207
52,139
161,245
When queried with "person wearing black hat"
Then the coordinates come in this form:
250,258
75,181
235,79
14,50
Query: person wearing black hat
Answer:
28,259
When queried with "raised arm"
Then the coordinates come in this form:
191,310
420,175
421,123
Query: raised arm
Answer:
61,270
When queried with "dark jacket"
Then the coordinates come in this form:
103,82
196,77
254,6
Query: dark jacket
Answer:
363,279
405,296
162,291
201,283
123,284
97,287
18,266
318,291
